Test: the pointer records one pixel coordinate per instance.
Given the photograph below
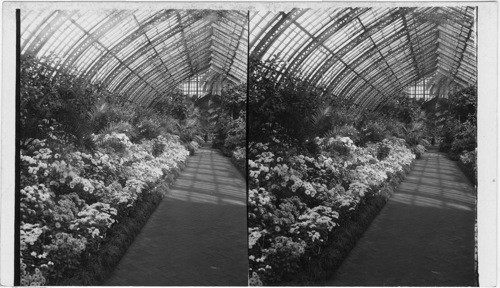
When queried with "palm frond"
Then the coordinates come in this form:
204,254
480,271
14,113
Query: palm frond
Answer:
119,127
214,82
321,114
332,133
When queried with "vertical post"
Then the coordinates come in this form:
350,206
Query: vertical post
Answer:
17,161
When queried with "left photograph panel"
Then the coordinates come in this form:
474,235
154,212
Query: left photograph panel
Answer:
132,147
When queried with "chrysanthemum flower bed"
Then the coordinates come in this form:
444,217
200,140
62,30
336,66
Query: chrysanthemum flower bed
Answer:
239,159
298,204
72,201
468,163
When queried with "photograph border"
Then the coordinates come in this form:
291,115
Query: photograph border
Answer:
487,69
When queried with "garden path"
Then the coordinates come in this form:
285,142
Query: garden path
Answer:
197,234
424,235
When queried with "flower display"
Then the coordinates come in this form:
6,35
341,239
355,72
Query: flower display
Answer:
70,199
468,162
296,202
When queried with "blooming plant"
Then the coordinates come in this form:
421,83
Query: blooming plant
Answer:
70,199
296,202
89,159
468,161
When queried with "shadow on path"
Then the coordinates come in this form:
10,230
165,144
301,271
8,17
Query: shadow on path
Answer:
197,235
424,236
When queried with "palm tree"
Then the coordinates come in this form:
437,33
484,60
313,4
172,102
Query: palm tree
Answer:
214,82
442,86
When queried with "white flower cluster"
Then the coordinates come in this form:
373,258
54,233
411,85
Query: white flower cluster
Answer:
71,199
296,201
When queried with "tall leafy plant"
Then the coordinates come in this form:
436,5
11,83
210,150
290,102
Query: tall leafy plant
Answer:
285,110
53,102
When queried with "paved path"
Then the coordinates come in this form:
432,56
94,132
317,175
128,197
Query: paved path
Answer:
197,235
424,236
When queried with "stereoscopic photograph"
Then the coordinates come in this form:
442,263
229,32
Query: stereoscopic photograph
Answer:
279,144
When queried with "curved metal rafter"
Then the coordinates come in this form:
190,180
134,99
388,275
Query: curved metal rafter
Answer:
140,54
283,20
184,44
368,54
319,40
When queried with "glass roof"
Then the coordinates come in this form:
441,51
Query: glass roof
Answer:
368,54
139,53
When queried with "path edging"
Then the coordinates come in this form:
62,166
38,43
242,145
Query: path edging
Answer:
99,267
343,240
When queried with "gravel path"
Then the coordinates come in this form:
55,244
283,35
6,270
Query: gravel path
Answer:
424,236
197,235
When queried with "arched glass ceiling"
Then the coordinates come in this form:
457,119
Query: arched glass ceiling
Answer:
140,53
368,54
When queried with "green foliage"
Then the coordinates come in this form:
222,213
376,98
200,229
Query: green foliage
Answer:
373,132
383,151
463,105
120,127
158,148
295,113
214,82
418,150
71,109
236,133
238,158
468,163
458,122
464,140
220,130
174,104
112,110
54,105
234,99
286,110
402,108
225,117
345,130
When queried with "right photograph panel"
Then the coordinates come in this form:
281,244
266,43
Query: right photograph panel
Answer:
362,146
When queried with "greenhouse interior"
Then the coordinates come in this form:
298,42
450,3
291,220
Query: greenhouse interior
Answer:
125,113
351,110
174,147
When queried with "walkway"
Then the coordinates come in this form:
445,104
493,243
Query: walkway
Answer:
197,235
424,236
